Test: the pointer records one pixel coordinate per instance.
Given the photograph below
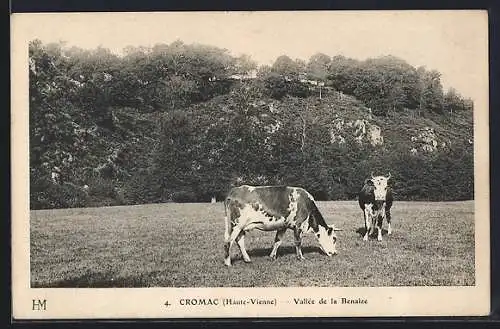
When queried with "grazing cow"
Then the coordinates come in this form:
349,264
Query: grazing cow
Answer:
274,208
375,199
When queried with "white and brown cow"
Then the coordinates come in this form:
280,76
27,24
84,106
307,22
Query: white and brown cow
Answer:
274,208
375,199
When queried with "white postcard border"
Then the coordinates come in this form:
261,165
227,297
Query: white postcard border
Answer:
114,303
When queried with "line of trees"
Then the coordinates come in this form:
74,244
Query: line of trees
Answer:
185,122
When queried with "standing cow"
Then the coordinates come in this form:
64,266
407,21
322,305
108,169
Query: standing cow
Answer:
375,199
274,208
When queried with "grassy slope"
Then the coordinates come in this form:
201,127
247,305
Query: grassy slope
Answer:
180,245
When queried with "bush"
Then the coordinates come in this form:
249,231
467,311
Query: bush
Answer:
101,188
45,194
103,192
337,192
184,196
143,187
66,195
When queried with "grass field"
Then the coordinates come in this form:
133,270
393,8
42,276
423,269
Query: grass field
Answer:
181,245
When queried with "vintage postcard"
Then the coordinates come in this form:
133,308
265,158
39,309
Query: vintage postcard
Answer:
250,164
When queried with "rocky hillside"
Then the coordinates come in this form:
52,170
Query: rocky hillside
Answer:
155,126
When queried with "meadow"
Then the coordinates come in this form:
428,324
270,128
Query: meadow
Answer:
181,245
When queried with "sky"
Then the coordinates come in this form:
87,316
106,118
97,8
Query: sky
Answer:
452,42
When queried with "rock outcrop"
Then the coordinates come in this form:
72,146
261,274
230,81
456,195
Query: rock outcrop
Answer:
426,142
362,130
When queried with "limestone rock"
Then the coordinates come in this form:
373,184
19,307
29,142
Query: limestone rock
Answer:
361,130
426,141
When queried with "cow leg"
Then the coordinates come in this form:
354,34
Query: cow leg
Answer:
227,258
277,242
373,224
228,243
298,242
241,243
380,219
367,223
388,216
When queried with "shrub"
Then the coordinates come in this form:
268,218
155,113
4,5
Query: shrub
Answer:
45,194
143,187
103,192
184,196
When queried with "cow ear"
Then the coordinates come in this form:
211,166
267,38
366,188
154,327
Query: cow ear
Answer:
368,181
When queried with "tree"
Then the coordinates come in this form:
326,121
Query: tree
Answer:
453,102
344,74
287,68
57,140
431,90
176,157
283,78
386,84
244,65
317,67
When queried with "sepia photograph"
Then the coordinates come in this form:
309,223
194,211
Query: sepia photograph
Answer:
247,164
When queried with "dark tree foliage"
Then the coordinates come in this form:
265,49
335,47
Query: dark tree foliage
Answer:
184,123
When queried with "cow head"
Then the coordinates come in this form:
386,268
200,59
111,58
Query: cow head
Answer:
327,239
380,184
